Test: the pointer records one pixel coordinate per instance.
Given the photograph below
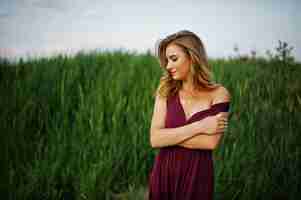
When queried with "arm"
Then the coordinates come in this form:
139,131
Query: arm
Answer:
202,141
209,141
161,137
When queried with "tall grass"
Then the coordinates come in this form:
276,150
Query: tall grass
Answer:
78,127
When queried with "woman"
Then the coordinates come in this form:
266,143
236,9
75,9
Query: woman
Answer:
190,115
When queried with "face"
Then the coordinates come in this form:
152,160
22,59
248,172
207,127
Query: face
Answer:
178,62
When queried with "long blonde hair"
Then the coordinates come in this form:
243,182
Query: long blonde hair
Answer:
192,45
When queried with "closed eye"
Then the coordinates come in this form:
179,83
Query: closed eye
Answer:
173,58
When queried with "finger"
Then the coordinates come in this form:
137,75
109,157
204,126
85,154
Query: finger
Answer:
220,131
222,117
223,122
223,114
223,125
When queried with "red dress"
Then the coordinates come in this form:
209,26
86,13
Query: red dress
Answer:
180,173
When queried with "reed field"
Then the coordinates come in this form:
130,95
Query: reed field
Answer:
77,127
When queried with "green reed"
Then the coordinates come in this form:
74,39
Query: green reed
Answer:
78,127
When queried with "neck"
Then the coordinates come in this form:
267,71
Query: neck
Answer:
187,85
188,88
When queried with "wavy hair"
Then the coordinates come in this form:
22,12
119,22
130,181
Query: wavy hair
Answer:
192,45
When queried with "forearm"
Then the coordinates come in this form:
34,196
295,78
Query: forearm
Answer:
201,141
173,136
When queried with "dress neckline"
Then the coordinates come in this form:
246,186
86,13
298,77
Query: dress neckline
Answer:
198,112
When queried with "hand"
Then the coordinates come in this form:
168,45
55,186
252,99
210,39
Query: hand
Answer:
214,124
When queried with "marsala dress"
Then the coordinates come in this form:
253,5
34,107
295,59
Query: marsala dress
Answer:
180,173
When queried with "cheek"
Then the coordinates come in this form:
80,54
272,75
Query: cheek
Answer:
185,68
182,67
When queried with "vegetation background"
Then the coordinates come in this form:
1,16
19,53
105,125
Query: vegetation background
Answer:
77,127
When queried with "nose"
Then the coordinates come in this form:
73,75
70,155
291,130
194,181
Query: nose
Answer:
168,67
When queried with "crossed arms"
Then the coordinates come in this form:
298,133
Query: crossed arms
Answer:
194,135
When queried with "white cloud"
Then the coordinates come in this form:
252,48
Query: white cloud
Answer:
61,24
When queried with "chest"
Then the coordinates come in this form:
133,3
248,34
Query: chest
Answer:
193,105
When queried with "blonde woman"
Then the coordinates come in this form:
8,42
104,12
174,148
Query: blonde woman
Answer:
190,115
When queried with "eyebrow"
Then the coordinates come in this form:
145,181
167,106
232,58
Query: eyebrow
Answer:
173,54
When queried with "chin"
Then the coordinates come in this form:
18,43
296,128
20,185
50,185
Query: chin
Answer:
175,77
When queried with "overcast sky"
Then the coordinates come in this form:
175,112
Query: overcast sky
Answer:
38,27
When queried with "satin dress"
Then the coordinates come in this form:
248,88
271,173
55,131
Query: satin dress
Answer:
181,173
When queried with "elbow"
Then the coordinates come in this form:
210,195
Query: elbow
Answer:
153,144
213,145
153,141
156,142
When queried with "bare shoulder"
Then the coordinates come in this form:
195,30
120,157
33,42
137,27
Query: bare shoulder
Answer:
221,94
160,100
160,103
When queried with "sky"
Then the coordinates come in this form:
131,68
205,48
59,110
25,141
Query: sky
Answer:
46,27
